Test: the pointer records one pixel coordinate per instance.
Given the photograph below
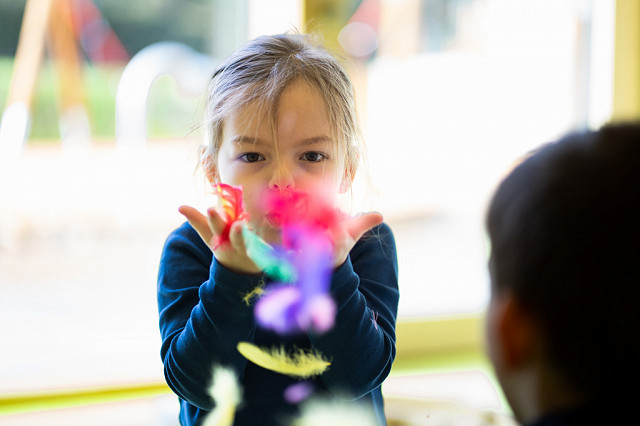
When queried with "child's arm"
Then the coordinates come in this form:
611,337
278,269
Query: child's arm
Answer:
202,315
361,345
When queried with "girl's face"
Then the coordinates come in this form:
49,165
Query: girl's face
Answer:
303,155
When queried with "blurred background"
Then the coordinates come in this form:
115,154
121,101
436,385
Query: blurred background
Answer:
101,102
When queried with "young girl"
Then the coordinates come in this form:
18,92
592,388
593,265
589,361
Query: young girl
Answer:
280,117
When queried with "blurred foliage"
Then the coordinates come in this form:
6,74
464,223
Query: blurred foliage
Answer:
170,114
140,23
10,21
44,110
137,24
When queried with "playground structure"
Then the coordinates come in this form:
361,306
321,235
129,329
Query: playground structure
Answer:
188,68
69,31
73,32
63,29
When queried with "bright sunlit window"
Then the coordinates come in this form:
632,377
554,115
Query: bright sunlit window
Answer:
481,85
451,94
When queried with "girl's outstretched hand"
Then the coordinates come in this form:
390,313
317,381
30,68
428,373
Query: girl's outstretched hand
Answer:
350,231
231,254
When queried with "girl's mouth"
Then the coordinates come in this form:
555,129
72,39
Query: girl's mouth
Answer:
284,208
274,219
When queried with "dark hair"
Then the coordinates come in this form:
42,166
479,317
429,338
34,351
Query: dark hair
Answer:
565,239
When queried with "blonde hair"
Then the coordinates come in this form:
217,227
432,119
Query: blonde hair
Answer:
261,70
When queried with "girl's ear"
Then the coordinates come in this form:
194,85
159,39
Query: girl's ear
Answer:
212,177
345,184
210,169
347,179
212,174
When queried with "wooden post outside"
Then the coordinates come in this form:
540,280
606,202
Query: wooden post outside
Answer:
74,123
16,118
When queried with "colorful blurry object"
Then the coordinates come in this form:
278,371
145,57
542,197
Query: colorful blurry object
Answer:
272,260
288,308
298,392
307,223
309,209
299,363
97,38
233,207
226,391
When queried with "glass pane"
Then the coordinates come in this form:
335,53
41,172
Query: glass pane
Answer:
458,91
452,94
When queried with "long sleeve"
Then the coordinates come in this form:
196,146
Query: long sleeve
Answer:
202,315
361,345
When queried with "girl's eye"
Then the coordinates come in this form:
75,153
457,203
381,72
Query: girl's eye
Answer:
251,157
313,156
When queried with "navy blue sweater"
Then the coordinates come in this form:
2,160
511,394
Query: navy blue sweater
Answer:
203,317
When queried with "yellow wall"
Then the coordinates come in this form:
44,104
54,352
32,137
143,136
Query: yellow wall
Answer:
326,17
626,73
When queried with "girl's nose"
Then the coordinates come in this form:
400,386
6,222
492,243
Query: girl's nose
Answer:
282,178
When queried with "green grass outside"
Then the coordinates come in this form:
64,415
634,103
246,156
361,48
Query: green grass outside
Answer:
170,114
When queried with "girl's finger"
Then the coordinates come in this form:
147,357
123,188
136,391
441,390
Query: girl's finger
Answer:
198,221
357,226
216,220
237,242
236,238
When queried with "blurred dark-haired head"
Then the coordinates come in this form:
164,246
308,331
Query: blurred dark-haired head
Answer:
565,241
